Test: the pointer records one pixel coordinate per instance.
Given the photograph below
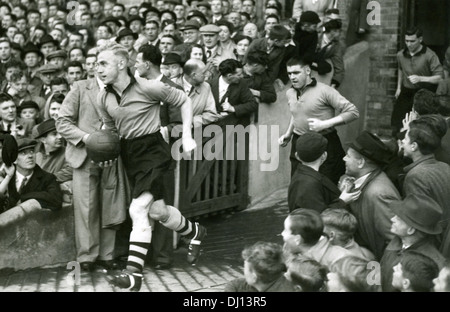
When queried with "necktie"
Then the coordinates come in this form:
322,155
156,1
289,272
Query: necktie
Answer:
9,128
208,53
191,91
24,181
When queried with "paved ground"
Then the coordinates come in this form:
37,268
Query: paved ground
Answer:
220,262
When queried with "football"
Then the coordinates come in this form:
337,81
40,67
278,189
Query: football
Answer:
103,145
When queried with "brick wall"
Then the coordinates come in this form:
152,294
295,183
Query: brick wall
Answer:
383,45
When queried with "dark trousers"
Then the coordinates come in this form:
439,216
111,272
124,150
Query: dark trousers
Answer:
334,166
402,106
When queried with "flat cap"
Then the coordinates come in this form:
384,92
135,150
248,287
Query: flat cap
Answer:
310,146
45,127
190,24
57,53
25,143
210,29
48,68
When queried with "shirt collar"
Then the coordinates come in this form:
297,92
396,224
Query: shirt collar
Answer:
110,88
408,55
186,86
360,181
160,77
223,83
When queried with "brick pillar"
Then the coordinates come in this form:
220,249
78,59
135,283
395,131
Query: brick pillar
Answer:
383,45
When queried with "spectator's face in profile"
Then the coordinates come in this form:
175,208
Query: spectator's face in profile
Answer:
199,74
397,277
290,240
441,282
353,162
249,274
26,159
140,66
235,78
8,111
298,75
334,283
53,140
407,146
400,227
210,40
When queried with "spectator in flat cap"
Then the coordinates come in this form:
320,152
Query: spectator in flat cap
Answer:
309,188
50,154
215,53
330,57
425,175
58,58
415,224
28,184
191,35
198,16
364,160
46,73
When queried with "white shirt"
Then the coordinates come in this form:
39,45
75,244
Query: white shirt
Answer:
223,88
13,126
360,181
186,86
19,179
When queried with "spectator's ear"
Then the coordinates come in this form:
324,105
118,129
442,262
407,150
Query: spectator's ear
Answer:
406,284
331,235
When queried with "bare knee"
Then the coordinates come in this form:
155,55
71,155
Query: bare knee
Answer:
158,210
140,206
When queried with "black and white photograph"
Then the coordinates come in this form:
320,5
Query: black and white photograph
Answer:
217,152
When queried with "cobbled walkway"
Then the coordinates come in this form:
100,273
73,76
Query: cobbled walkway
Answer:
220,262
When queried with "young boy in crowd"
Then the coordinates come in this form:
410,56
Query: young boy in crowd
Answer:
29,110
340,226
414,273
